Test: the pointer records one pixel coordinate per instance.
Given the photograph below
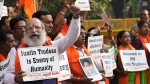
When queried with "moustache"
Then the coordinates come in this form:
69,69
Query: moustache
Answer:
34,34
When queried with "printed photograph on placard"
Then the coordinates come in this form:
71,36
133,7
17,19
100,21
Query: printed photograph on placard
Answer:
89,68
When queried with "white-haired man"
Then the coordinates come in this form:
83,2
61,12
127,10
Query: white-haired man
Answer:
35,35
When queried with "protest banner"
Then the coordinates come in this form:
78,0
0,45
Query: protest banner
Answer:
112,54
83,4
94,45
107,64
65,72
133,60
39,63
89,68
3,69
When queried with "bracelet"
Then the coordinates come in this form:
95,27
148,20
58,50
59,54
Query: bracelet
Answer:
62,13
112,38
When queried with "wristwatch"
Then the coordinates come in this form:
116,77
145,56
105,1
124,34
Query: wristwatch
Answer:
75,15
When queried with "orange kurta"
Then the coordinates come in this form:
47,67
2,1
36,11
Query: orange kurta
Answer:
73,58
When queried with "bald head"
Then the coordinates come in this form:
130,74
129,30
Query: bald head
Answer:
144,15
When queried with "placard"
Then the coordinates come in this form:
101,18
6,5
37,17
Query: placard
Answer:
65,72
3,69
134,60
83,4
89,68
94,45
112,54
39,63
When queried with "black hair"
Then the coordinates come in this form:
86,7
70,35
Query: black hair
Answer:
86,60
96,34
119,35
90,29
141,23
15,20
39,14
2,21
4,33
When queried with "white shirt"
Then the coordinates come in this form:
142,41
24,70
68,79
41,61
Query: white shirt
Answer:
62,44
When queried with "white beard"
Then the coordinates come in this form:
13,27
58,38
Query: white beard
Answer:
35,42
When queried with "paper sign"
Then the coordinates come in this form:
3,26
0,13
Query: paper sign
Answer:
3,69
107,64
148,46
104,17
133,60
1,6
39,63
65,72
90,69
112,54
83,4
94,46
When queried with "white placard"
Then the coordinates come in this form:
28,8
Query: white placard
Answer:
107,64
39,63
94,45
112,54
89,68
1,6
133,60
65,72
83,4
3,69
148,46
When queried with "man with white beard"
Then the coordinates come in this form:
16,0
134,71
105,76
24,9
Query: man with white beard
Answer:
35,35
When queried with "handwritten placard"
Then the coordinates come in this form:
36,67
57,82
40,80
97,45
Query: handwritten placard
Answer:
133,60
3,69
83,4
112,54
65,72
39,63
107,64
94,46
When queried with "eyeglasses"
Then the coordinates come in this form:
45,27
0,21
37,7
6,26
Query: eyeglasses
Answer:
20,28
31,28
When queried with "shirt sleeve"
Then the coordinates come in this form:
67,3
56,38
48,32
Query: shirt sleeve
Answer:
137,44
71,36
9,76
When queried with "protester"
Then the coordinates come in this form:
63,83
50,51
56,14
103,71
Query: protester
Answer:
141,40
18,24
144,15
125,77
6,43
35,35
4,23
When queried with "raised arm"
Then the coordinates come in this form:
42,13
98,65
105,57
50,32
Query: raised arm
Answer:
72,34
60,16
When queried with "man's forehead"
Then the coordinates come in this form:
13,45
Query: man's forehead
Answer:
33,21
144,12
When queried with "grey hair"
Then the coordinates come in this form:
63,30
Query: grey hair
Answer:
43,26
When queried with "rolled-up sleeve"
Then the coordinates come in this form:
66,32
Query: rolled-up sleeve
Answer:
71,36
9,76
